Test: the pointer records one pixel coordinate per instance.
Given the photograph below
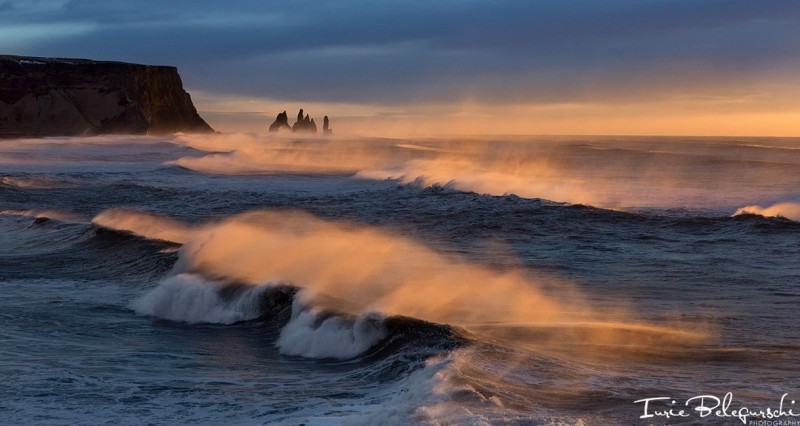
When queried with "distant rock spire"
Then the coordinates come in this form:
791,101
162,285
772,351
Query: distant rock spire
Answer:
326,130
281,121
304,123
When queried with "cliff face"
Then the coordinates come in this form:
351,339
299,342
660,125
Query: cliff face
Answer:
60,97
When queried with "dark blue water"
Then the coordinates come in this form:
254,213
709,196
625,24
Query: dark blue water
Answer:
182,305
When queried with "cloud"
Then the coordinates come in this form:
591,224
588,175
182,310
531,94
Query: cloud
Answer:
415,51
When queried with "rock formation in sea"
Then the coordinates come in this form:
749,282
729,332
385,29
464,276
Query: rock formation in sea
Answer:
281,121
66,97
326,130
304,124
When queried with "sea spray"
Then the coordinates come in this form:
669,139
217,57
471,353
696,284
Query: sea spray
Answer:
354,270
786,210
143,224
624,173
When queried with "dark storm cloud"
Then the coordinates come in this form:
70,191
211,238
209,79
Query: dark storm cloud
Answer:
380,51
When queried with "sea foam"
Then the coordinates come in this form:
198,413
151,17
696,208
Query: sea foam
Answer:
340,337
193,299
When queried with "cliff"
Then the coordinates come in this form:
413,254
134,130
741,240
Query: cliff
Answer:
64,97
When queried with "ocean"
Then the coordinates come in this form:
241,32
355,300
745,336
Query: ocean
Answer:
244,279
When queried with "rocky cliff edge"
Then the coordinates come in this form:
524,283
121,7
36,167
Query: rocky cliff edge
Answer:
67,97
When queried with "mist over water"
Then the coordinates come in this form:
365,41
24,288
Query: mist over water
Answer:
603,172
357,270
240,278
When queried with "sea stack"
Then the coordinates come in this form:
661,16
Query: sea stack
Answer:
281,121
68,97
304,124
326,130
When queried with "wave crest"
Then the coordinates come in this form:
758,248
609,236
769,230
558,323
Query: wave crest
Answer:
353,271
788,210
313,335
193,299
143,224
44,215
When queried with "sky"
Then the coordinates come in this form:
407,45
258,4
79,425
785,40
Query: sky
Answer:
663,67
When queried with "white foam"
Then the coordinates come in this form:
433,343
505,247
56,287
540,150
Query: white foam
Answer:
333,337
432,395
193,299
29,62
190,298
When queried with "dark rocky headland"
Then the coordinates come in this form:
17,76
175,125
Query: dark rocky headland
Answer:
68,97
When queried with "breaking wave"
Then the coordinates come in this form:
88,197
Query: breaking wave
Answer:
191,298
142,224
616,174
785,210
350,277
